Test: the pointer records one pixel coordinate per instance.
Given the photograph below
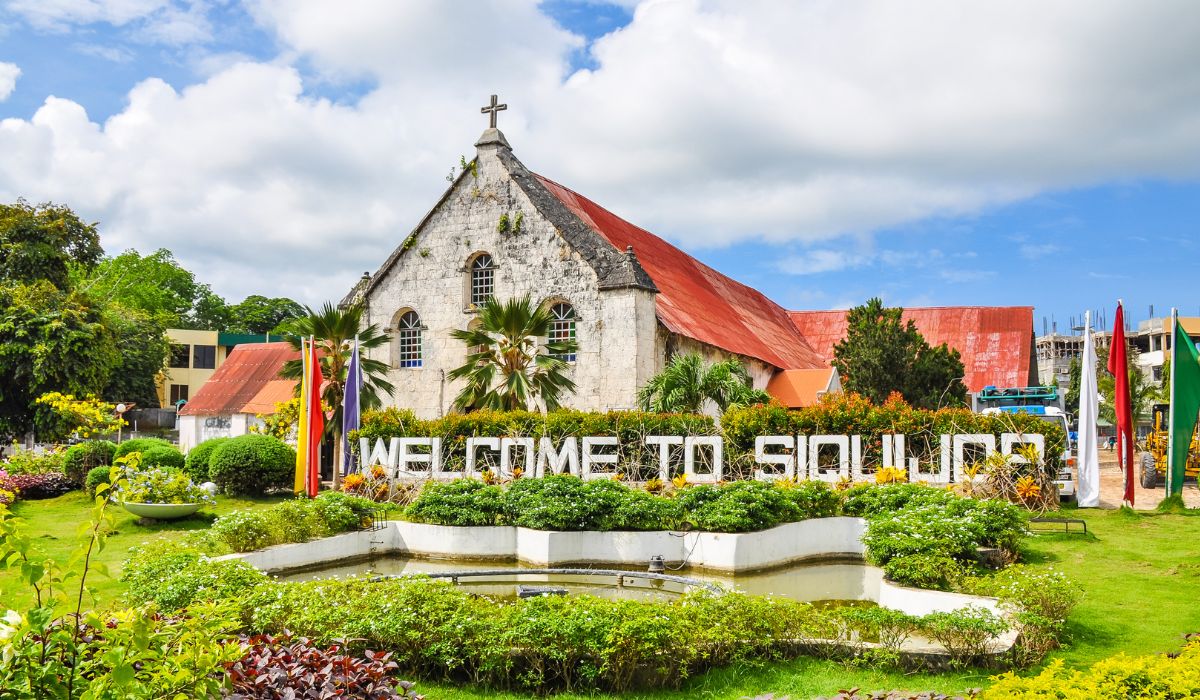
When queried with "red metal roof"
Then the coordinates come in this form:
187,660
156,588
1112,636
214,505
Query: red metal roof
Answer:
695,300
797,388
247,382
996,342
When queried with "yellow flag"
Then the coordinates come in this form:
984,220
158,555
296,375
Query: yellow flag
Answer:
302,429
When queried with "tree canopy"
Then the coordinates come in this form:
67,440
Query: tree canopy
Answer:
43,242
259,314
882,354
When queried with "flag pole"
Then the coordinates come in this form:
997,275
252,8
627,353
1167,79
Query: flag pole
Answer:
1171,407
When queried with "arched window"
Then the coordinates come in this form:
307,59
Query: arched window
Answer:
483,279
408,335
562,327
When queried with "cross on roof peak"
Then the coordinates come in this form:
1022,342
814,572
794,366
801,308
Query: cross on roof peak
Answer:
491,110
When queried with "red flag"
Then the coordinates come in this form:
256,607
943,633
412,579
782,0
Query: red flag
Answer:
316,422
1118,366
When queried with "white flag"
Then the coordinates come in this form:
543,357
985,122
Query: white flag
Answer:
1089,405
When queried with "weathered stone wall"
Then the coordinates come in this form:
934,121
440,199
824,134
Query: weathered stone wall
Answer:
614,328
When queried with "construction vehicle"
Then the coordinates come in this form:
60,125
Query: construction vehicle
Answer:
1043,402
1154,456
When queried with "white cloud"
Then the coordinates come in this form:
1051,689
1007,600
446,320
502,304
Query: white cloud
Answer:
1033,251
9,72
59,14
168,22
706,121
813,262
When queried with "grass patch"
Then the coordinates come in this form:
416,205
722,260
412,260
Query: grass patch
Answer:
53,524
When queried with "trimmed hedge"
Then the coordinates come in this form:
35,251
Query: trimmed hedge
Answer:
851,414
251,465
81,458
162,457
196,464
97,476
140,445
840,414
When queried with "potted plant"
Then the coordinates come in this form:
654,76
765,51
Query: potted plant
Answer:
162,494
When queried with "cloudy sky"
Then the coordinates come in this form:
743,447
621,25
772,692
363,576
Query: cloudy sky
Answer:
1035,152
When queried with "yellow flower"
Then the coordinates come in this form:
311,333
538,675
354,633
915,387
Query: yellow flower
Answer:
1027,488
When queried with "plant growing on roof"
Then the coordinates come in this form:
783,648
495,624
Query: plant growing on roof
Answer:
335,330
686,383
511,365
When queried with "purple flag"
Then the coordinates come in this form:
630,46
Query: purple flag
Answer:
351,415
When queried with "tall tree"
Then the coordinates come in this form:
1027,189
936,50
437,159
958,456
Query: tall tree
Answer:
42,242
882,354
259,314
686,383
509,367
157,285
50,340
334,330
143,349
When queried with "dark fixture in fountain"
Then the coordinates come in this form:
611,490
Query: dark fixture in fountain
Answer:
657,564
524,591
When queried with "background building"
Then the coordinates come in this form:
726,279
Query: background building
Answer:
245,386
195,356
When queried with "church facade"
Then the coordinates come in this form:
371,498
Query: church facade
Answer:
629,299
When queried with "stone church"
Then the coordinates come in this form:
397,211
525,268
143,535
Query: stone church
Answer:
630,299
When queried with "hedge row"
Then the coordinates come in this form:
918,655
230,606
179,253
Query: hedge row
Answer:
834,415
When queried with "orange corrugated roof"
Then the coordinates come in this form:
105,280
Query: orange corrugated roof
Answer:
996,342
247,382
695,300
796,388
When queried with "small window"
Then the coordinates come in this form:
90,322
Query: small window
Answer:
204,357
409,339
483,279
179,392
179,356
562,327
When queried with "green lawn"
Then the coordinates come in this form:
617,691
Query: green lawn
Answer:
1140,573
53,524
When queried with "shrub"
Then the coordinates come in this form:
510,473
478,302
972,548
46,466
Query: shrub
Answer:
1043,600
291,667
82,458
458,502
965,634
97,476
174,575
297,520
934,571
27,462
163,456
1118,677
197,460
32,487
139,445
868,500
554,502
252,465
162,486
812,499
743,506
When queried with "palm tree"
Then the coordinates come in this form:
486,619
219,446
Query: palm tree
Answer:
335,330
685,384
511,363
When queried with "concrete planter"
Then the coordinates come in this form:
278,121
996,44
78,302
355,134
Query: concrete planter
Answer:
162,511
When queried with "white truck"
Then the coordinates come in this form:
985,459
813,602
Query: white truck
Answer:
1045,403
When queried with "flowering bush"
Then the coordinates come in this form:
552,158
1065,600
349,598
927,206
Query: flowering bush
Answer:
162,486
31,487
1118,677
60,415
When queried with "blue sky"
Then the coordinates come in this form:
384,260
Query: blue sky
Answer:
779,180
